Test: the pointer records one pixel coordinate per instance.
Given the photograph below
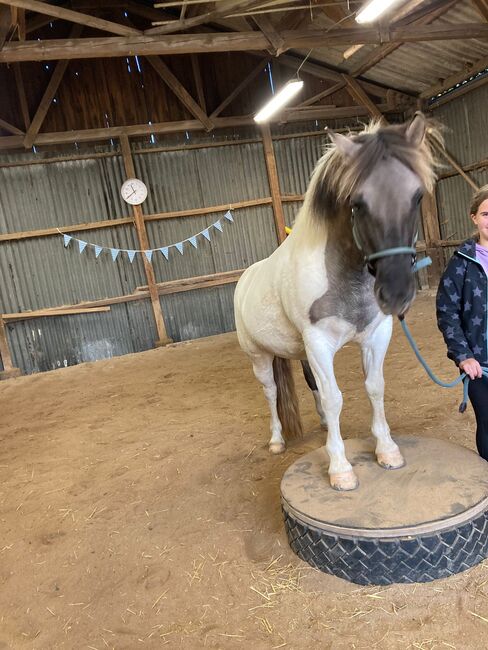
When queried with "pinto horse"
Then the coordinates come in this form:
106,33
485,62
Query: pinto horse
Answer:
341,274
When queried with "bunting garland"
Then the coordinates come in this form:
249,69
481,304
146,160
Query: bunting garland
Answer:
164,250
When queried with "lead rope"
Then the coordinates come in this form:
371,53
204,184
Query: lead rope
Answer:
444,384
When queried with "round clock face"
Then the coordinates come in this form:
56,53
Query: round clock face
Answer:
133,191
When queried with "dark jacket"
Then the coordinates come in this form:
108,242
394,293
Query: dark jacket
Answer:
462,300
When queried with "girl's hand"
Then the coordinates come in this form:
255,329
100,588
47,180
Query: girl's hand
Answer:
472,368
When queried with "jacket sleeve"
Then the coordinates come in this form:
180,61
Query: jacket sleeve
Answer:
449,310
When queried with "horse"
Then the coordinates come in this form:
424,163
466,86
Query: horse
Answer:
342,273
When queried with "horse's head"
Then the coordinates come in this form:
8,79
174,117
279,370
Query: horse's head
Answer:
380,177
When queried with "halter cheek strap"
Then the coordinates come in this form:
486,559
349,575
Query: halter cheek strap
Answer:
387,252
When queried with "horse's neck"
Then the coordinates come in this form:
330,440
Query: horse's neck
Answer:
335,234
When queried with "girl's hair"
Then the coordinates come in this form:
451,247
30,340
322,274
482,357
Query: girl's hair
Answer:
478,198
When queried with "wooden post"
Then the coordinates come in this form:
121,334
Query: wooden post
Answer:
432,235
8,367
144,244
274,184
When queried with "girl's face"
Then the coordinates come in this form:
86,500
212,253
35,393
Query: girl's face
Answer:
481,220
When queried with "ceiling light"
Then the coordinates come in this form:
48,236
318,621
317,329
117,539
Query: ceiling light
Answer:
373,10
280,99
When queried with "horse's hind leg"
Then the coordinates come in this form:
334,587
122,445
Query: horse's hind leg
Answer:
262,365
312,384
374,349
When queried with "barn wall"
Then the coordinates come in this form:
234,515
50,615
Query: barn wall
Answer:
40,272
466,136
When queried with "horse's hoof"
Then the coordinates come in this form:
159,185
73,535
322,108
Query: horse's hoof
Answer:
391,460
344,481
277,447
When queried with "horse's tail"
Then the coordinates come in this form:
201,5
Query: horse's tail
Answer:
287,401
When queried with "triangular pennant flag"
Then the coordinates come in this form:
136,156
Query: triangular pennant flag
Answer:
218,225
114,252
98,250
206,234
149,255
67,239
228,216
81,245
164,251
193,241
131,255
179,246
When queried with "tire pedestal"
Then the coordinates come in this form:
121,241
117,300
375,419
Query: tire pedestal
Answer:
425,521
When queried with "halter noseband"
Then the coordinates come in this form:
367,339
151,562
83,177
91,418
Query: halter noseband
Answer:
387,252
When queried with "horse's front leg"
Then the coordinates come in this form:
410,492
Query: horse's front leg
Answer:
374,349
320,354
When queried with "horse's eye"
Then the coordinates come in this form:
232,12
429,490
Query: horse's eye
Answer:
418,199
357,206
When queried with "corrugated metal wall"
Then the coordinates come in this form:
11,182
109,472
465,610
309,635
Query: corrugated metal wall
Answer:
466,119
40,272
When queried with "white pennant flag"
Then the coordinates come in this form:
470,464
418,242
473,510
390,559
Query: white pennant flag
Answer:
98,250
193,241
179,246
228,216
82,245
114,252
206,234
131,255
164,251
149,255
218,225
67,239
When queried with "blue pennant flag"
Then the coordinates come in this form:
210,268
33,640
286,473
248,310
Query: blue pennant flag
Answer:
67,239
114,252
218,225
206,234
81,245
164,251
98,250
193,241
149,255
179,246
131,255
228,216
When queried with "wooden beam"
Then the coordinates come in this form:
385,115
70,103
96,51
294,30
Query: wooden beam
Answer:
267,28
93,135
73,16
358,94
323,94
240,87
48,96
144,244
4,349
10,128
274,183
56,311
24,106
188,23
482,7
432,233
5,24
456,166
180,91
381,52
197,76
466,168
92,48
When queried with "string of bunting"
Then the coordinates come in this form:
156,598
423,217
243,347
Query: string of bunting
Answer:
131,253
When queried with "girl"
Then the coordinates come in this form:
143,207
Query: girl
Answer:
462,300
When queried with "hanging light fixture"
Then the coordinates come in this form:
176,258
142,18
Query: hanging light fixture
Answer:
373,10
281,98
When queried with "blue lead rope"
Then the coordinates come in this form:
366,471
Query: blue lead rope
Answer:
462,378
444,384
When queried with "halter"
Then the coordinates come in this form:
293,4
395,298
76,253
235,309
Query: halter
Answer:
388,252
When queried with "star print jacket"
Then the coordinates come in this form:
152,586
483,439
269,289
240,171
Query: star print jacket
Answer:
462,300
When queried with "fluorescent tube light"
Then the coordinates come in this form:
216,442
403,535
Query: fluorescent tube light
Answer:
373,10
280,99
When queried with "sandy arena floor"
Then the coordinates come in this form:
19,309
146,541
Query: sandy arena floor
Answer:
139,507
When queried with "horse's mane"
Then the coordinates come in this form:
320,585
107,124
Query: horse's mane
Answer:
336,175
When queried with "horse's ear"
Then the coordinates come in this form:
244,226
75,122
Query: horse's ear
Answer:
416,128
344,144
